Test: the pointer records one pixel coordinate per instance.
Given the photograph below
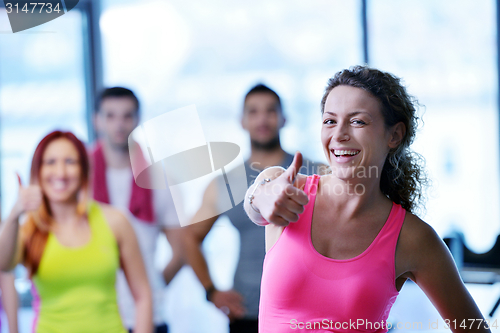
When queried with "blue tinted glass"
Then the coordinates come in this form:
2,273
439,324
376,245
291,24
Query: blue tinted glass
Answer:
42,88
446,53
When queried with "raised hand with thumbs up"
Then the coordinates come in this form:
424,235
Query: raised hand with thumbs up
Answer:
280,200
29,199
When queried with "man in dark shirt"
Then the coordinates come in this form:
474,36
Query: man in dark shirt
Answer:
263,119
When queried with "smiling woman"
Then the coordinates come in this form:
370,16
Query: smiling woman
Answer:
403,176
338,254
71,247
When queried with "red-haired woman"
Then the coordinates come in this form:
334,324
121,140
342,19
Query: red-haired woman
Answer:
72,247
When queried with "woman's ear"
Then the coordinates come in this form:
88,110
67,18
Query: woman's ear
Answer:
398,132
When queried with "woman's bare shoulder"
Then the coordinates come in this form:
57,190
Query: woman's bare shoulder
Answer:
112,214
115,218
415,231
418,242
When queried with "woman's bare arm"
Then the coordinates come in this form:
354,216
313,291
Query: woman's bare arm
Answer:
133,267
10,243
9,300
29,199
433,269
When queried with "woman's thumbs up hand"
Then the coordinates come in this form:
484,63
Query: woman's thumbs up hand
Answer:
279,201
29,198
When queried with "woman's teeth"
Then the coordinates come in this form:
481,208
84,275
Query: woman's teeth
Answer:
59,185
346,152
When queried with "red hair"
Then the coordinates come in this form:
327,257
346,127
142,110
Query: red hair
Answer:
36,229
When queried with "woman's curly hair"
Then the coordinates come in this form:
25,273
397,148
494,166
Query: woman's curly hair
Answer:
403,177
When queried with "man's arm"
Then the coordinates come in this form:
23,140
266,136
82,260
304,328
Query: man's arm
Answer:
168,220
9,300
174,237
230,302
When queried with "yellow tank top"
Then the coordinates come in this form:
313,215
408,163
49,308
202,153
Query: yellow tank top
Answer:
76,286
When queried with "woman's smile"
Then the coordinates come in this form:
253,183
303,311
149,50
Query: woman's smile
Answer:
344,155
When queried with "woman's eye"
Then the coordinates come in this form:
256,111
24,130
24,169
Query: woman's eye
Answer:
70,161
358,122
328,122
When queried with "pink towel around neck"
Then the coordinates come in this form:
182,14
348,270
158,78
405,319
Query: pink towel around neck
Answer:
141,200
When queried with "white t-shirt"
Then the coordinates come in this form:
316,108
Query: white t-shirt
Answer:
119,184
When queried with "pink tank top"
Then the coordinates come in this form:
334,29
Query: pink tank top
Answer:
302,290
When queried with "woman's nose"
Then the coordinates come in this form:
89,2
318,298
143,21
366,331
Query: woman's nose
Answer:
341,133
60,169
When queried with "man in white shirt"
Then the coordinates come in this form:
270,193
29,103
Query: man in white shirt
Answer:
149,211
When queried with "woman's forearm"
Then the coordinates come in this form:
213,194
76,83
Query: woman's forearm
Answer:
250,209
253,215
9,300
144,313
9,237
